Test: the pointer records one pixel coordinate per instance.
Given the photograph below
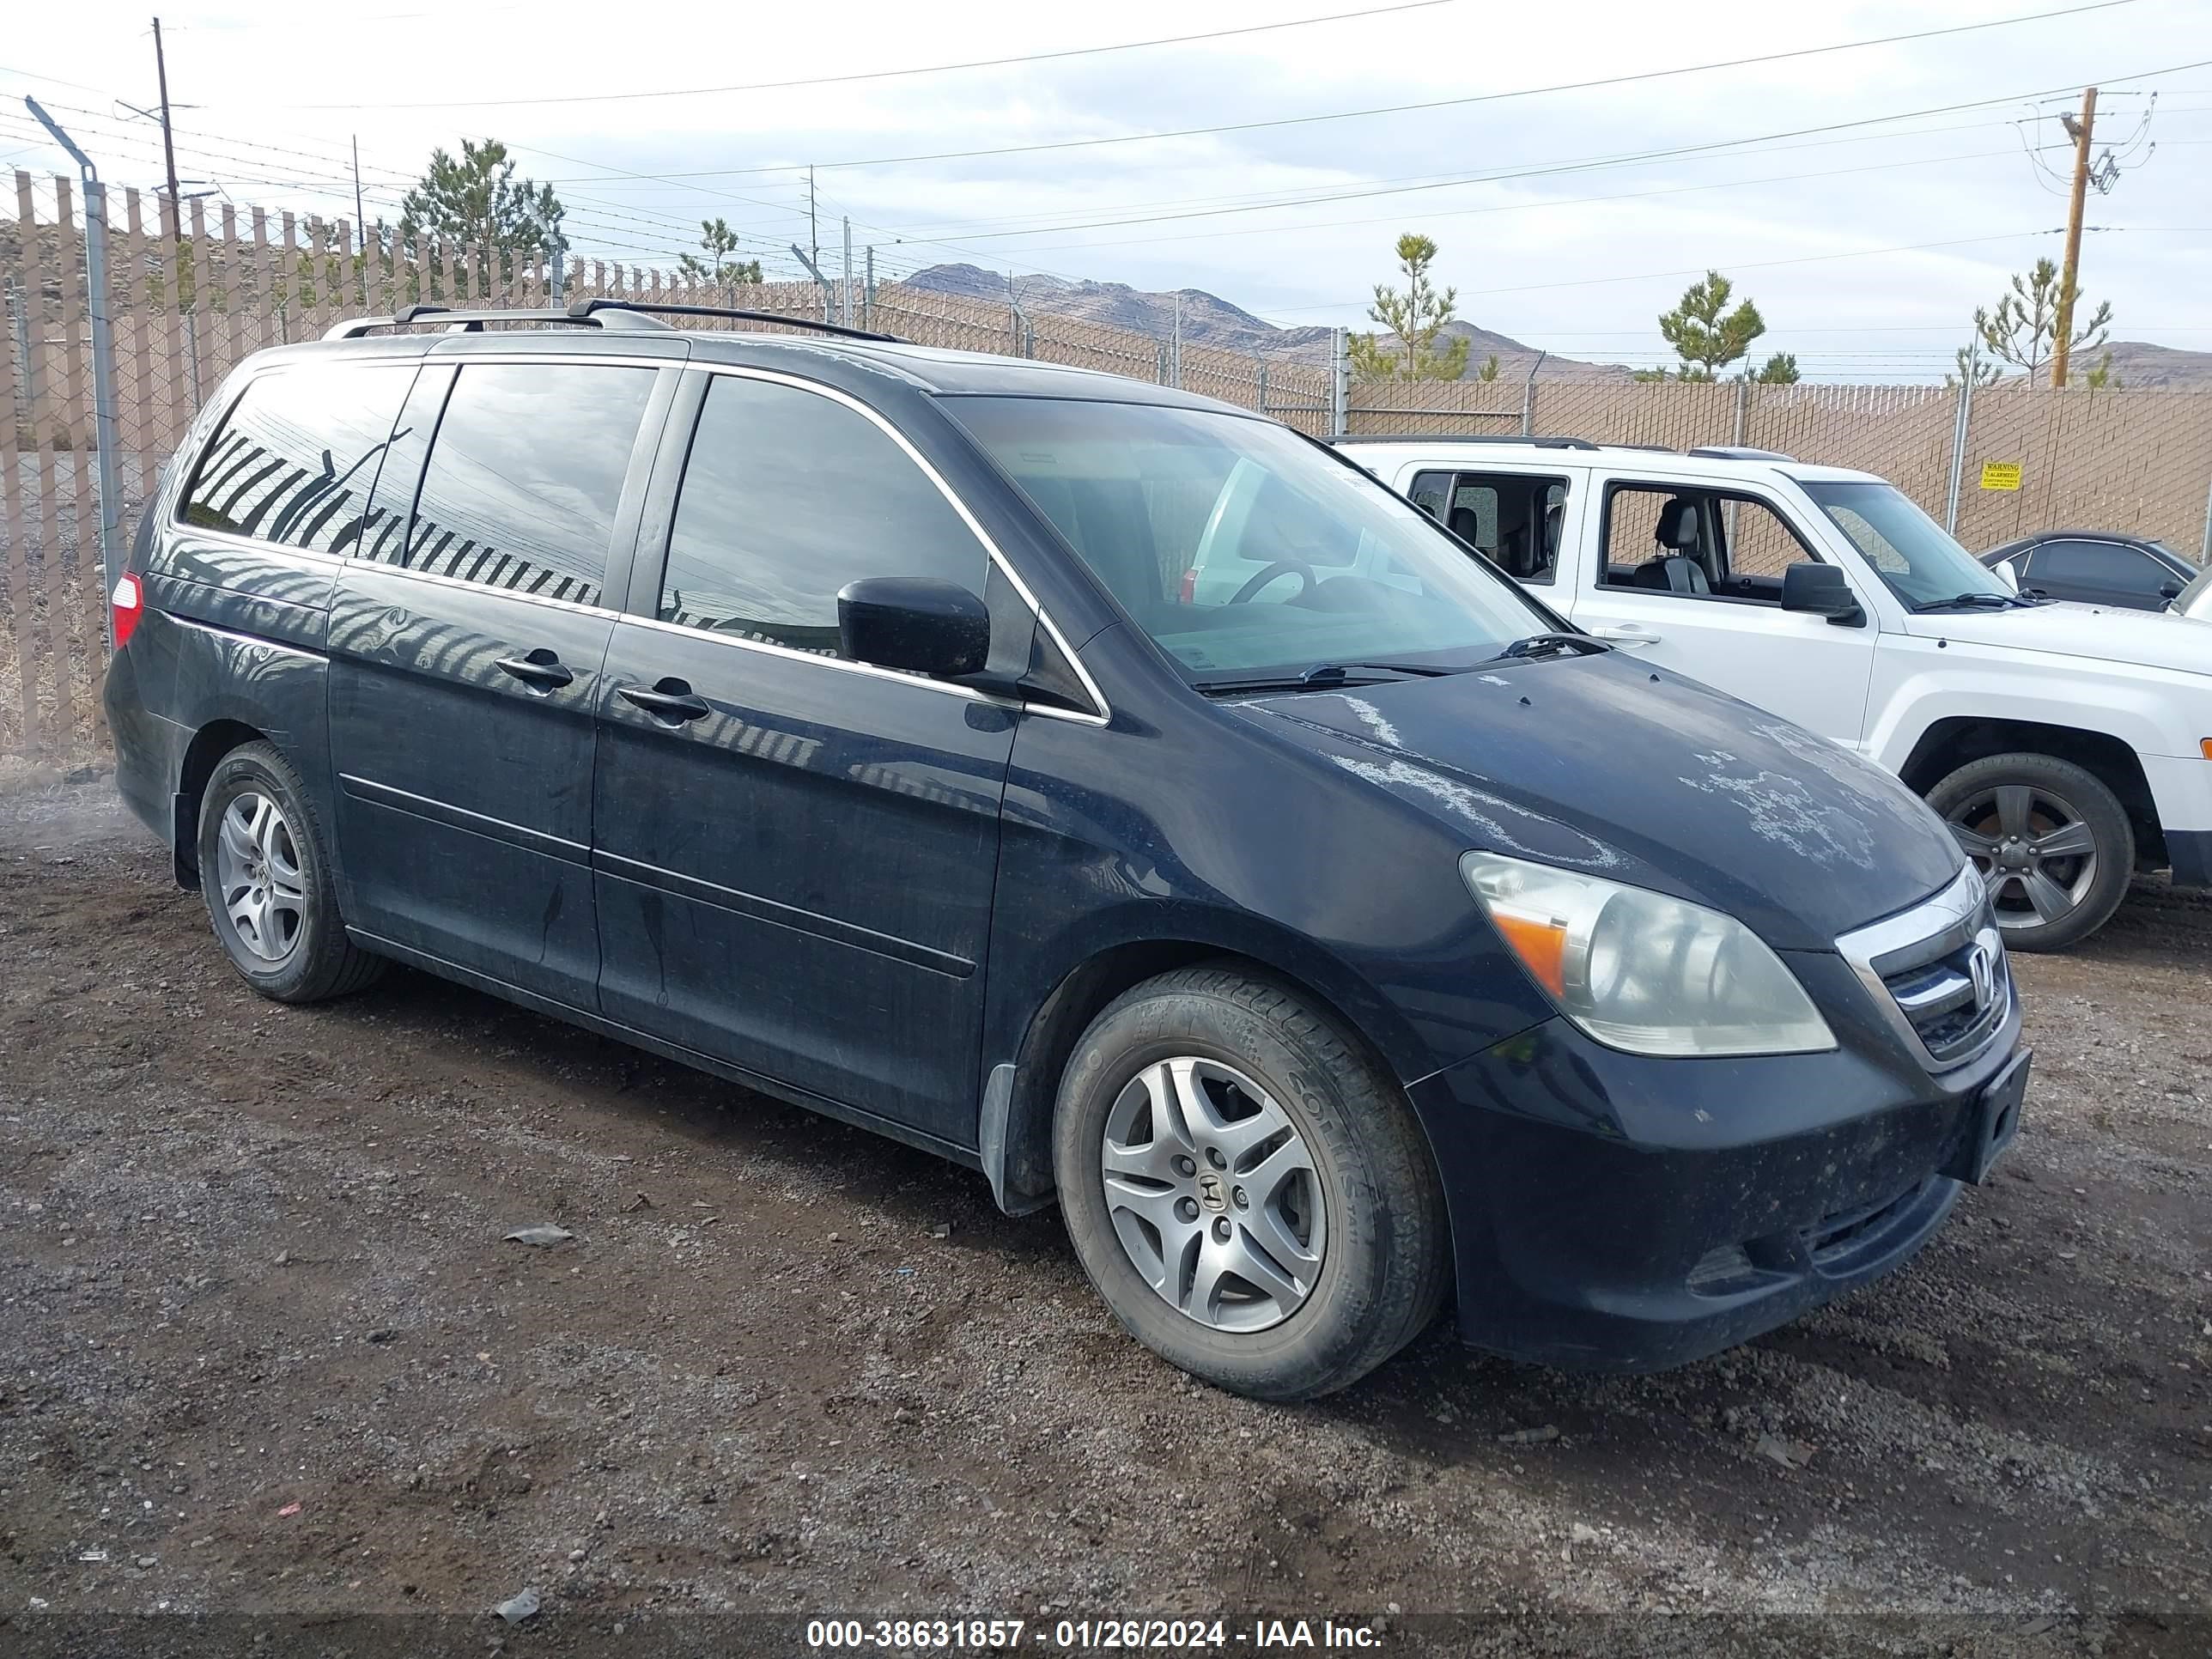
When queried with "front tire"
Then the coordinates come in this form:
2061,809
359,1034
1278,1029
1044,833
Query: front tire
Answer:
266,876
1247,1190
2052,842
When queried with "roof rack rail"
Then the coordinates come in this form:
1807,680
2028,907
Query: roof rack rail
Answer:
472,322
1738,453
585,314
1466,437
583,310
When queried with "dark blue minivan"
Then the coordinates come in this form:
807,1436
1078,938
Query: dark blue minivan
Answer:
832,713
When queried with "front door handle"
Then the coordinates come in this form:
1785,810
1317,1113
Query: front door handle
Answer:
670,700
541,667
1631,634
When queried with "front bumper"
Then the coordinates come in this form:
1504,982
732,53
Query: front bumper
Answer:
1615,1212
2181,790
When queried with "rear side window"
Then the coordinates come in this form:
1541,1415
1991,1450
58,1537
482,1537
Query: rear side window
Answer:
295,458
525,477
786,497
1513,517
2100,564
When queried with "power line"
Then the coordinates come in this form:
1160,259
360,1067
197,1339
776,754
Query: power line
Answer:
1484,179
1454,103
898,74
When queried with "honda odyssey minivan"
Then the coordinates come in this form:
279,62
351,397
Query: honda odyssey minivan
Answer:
829,712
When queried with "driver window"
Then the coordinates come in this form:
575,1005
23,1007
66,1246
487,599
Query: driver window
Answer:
1697,544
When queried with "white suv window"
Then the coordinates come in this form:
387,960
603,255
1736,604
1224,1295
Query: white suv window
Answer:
1692,542
1513,517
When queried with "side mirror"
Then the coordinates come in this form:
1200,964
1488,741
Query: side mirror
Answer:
1823,590
914,623
2169,591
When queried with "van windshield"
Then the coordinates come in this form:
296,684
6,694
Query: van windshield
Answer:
1909,552
1245,551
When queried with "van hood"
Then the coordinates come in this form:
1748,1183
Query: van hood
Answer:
1603,764
2154,639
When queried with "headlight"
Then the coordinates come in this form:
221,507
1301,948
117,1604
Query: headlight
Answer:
1640,971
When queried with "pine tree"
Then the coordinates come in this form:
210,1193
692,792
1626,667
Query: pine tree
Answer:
718,268
1413,319
1706,334
476,200
2023,330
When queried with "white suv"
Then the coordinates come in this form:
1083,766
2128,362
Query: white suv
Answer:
2067,746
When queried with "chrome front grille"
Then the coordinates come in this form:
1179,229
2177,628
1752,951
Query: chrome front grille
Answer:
1938,973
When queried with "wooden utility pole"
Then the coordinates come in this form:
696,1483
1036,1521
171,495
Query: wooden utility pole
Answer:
2082,130
169,154
177,223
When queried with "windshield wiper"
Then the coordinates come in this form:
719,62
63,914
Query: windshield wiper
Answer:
1322,676
1329,676
1972,602
1544,645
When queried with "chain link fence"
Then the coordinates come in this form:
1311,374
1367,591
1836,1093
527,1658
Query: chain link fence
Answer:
187,299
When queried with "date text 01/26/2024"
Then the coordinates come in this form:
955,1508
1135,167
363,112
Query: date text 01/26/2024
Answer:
1087,1635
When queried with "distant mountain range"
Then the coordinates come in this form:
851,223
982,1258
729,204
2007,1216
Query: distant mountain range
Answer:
1209,320
2139,364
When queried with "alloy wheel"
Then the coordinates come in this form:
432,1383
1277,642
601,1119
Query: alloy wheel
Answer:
257,868
1213,1194
2035,851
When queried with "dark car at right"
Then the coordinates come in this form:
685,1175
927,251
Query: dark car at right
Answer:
2094,567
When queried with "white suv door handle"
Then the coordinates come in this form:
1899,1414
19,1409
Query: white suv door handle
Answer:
1629,635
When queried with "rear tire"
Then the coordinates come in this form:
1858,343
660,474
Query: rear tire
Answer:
2053,843
1277,1146
265,875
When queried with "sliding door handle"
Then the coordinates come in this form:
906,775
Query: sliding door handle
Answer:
541,667
670,700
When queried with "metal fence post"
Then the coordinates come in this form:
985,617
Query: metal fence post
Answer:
1261,364
2204,557
1742,410
559,274
1340,383
868,294
1528,396
103,360
1961,424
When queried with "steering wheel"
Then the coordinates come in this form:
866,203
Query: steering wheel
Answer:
1281,566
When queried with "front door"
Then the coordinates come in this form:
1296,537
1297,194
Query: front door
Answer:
796,854
1692,579
465,653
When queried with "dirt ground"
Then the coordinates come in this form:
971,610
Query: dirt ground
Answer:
266,1359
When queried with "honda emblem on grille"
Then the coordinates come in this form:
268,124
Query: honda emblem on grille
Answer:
1982,969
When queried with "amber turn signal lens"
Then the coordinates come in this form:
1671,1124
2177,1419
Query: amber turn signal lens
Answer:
1541,946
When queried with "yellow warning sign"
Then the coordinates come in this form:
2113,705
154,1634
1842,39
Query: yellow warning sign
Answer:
2000,475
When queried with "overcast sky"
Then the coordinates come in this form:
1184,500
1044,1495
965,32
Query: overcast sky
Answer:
1828,230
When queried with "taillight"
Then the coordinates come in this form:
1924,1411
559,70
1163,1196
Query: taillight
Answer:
125,606
1190,586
